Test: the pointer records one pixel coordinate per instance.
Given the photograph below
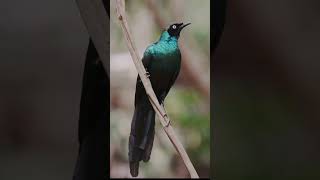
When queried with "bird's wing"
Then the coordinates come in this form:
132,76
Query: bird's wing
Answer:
142,125
171,82
147,58
140,91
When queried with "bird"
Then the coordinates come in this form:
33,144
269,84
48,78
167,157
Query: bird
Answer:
162,61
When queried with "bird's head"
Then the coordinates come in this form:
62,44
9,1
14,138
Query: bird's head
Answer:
175,29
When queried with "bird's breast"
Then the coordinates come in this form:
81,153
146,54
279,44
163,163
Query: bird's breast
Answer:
166,61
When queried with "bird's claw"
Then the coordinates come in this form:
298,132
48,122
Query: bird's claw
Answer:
162,104
168,123
165,115
147,74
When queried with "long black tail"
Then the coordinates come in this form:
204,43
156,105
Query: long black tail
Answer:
141,136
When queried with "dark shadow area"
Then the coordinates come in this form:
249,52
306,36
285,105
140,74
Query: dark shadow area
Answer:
266,93
44,77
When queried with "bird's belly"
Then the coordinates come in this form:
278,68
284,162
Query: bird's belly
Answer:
165,65
162,72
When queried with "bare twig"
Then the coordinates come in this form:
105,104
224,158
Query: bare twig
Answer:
164,119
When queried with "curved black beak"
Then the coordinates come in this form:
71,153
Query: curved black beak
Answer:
183,26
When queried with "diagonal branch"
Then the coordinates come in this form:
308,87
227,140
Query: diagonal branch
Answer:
164,119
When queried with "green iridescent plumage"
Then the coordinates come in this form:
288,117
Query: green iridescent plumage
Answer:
162,60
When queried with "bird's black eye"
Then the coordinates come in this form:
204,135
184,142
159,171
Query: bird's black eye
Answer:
174,27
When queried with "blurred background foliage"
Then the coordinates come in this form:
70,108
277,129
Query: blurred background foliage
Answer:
187,105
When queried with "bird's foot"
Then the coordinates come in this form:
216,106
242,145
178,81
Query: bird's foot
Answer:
165,114
168,123
162,104
147,74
